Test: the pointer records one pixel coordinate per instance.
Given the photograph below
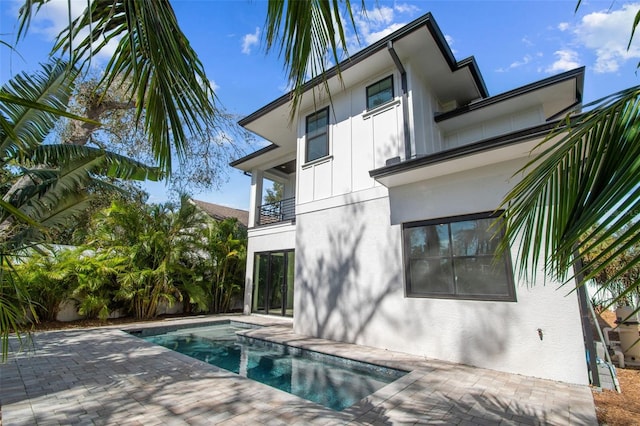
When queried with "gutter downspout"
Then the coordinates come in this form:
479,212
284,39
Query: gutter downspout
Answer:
405,100
587,329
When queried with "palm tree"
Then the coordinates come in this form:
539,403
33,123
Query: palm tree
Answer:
44,276
43,184
168,80
225,243
162,245
581,189
549,214
46,181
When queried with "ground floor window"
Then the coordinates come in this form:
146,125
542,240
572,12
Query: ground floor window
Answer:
456,257
273,274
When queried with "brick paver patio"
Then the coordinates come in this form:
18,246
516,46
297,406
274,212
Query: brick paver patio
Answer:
105,376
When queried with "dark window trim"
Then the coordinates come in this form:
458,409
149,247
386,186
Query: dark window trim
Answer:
511,295
268,253
306,135
393,92
427,21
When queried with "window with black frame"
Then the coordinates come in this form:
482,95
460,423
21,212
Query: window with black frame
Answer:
317,135
380,92
456,258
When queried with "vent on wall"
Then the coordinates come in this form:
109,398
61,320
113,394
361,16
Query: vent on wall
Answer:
448,106
392,161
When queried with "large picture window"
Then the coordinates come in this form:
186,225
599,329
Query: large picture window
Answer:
380,93
317,135
456,258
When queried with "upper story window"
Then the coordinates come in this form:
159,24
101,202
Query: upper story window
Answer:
380,93
317,135
455,258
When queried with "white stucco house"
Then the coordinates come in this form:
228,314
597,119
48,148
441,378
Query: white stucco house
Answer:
389,189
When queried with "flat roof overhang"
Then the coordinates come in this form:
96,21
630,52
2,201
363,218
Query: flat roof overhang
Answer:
486,152
420,40
556,94
264,159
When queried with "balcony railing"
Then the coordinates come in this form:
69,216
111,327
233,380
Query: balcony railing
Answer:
280,211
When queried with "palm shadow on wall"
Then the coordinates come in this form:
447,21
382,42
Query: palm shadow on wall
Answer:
333,291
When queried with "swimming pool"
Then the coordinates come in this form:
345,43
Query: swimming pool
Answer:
334,382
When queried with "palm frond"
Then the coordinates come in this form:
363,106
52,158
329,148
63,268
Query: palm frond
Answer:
581,188
32,103
94,161
305,33
168,79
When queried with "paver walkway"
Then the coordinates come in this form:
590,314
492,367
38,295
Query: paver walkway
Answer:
105,376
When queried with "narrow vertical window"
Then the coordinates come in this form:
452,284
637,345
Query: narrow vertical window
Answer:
380,93
317,135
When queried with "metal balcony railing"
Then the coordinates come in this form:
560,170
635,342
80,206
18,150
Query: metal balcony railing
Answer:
280,211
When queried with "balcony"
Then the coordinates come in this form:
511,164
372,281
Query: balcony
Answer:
278,212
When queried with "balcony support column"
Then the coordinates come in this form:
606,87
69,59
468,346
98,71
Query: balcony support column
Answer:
257,177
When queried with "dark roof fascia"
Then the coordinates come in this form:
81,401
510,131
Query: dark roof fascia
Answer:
254,155
470,62
577,73
466,150
426,20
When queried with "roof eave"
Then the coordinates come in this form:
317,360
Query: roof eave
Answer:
253,155
425,20
577,74
465,150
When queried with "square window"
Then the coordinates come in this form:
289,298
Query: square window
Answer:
455,258
317,136
380,93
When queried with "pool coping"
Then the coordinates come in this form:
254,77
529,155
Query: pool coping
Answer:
280,330
181,390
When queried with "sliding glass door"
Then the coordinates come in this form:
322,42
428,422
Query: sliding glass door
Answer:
273,274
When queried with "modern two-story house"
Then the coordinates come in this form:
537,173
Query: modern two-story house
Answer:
383,235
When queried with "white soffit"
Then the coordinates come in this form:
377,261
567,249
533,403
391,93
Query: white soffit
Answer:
423,53
459,164
553,99
267,160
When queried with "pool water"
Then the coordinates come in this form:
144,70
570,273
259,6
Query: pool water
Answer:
334,382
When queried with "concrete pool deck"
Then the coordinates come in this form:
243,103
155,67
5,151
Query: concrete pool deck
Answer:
105,376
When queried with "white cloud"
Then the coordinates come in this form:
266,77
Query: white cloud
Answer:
53,17
376,23
526,41
517,64
563,26
406,8
380,15
213,86
250,40
450,41
567,59
375,36
607,34
379,22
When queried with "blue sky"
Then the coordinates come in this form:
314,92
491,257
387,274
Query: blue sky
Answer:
514,43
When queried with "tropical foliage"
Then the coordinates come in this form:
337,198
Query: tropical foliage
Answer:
579,200
43,184
616,280
166,80
137,258
580,194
